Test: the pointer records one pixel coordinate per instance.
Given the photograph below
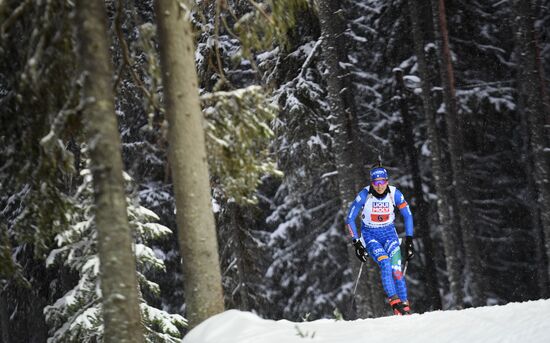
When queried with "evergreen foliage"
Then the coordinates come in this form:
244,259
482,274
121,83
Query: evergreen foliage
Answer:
306,237
237,139
268,24
77,315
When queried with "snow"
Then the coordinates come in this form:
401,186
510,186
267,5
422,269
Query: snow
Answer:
215,206
514,322
86,319
429,46
93,262
412,78
168,322
316,140
333,173
303,50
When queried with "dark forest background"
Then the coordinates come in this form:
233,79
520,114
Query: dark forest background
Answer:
300,99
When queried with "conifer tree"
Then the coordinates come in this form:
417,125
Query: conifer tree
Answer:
531,93
445,221
77,316
350,163
454,132
422,229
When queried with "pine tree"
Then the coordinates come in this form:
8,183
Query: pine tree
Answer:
350,164
422,229
454,132
531,91
78,314
306,237
34,177
486,102
445,221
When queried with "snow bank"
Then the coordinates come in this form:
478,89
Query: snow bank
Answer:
514,322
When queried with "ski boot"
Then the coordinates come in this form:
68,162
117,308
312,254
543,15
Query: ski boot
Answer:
399,308
406,307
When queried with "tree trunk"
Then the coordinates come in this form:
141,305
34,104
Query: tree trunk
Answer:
527,161
448,226
118,264
531,92
187,155
349,161
534,211
240,253
454,132
4,319
421,213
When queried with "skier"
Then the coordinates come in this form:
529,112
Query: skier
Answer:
379,236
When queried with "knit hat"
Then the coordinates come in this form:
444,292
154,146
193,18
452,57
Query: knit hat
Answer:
378,173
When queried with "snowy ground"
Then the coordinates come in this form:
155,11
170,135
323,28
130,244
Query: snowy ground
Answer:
515,322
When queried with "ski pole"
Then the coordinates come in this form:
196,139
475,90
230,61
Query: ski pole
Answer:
405,269
357,281
355,287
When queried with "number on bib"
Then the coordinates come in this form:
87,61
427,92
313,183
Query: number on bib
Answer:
379,217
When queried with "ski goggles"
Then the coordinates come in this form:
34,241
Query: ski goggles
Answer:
379,182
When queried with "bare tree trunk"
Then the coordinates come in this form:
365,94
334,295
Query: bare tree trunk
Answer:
537,233
187,154
240,251
4,319
118,264
421,212
454,133
543,89
527,162
531,92
349,162
448,226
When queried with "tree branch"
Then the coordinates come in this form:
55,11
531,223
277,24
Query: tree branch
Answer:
13,17
127,60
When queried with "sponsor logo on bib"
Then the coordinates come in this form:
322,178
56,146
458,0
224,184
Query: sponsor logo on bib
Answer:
380,207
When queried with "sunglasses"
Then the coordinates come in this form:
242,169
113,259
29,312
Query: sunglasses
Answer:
379,182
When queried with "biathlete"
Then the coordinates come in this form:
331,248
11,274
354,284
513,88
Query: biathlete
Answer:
379,237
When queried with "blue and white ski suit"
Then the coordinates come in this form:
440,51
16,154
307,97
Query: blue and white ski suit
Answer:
379,235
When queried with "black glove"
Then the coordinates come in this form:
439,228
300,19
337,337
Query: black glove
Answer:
360,251
408,248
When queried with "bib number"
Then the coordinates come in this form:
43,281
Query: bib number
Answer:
379,218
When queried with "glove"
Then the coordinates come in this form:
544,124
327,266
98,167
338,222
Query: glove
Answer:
360,251
408,248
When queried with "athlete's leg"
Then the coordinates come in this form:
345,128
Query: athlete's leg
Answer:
380,256
391,245
400,283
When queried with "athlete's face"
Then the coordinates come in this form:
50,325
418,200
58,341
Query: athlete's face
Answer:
380,185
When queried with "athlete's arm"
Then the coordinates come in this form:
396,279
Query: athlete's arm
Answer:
355,207
405,211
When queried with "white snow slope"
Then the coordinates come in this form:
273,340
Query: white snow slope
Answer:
514,323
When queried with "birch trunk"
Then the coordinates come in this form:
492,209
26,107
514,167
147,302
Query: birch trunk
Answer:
119,284
187,155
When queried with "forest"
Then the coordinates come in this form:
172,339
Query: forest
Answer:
162,161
